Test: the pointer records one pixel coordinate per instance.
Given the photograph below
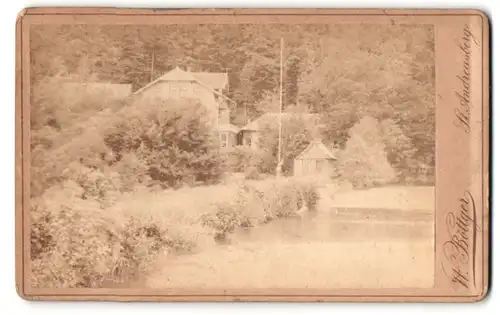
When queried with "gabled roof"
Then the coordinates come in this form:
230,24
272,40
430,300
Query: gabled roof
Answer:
270,119
316,150
108,89
228,127
177,74
213,81
217,81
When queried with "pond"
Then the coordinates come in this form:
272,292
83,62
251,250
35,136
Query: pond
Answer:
345,225
342,248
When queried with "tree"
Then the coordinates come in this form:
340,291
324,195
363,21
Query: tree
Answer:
338,71
296,136
174,141
387,72
399,148
364,160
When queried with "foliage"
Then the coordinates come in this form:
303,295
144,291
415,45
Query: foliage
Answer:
102,187
399,148
322,63
165,143
66,128
95,160
241,158
296,136
364,160
260,202
252,173
74,243
386,73
174,141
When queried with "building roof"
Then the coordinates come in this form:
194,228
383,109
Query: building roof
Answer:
316,150
273,119
228,127
111,90
213,81
177,74
217,81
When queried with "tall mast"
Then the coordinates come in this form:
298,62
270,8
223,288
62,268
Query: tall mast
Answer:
281,107
152,70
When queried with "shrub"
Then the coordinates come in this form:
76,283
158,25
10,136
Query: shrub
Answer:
240,158
223,221
75,243
166,143
56,146
296,135
364,160
310,195
102,186
80,250
174,141
252,172
400,150
258,203
132,172
273,198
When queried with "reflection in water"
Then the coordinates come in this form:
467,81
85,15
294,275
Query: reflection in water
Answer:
344,248
344,225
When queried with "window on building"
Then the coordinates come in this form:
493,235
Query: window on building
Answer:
174,91
247,141
223,140
320,165
184,92
223,116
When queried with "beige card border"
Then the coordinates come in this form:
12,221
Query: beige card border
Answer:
458,168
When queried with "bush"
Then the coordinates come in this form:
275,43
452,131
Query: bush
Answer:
293,196
76,244
240,158
79,144
270,199
258,203
173,141
132,172
166,142
101,186
252,172
222,222
310,196
400,150
296,136
364,160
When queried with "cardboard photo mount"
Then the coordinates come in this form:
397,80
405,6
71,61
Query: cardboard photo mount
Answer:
462,63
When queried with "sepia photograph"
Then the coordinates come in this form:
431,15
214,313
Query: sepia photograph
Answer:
219,156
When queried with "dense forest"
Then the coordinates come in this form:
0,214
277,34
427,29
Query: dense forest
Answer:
341,71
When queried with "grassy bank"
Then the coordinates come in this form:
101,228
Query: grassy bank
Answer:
78,243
